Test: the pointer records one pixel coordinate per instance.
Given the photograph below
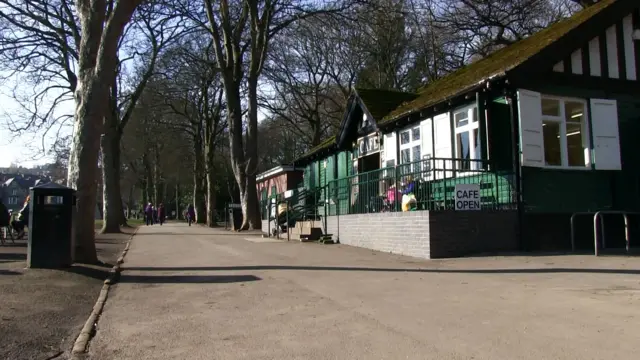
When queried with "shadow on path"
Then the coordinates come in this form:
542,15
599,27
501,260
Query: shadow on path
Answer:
188,279
443,271
98,271
13,256
9,272
177,232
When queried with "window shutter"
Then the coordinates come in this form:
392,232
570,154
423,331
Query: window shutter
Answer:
606,143
444,148
531,136
390,148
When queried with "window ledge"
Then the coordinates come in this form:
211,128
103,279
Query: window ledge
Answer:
577,168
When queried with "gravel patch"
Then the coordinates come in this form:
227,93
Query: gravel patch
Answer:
43,310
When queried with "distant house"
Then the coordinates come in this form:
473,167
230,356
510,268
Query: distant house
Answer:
278,180
15,188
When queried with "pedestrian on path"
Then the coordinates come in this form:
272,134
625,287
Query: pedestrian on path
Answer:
191,214
148,214
161,214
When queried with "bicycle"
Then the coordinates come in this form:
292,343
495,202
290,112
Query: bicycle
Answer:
7,232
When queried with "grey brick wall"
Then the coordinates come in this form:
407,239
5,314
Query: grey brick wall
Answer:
265,227
427,234
404,233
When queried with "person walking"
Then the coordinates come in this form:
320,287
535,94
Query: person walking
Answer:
191,214
155,214
161,214
22,220
5,219
148,214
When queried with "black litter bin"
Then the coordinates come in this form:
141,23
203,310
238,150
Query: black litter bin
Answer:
50,226
235,216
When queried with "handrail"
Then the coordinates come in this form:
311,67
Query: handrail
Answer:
595,228
573,235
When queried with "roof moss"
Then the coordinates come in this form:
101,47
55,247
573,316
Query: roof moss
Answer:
323,145
380,102
496,64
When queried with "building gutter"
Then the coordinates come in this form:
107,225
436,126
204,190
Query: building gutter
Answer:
517,166
276,171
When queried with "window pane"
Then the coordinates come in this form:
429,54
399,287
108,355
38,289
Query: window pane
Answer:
550,107
461,118
416,153
405,156
551,133
415,134
574,111
477,151
575,148
404,137
390,163
416,157
463,147
463,150
475,115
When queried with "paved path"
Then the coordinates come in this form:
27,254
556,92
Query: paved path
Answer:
195,293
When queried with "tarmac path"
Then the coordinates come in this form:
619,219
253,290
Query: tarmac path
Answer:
198,293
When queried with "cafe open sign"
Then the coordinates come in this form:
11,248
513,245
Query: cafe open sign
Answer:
467,197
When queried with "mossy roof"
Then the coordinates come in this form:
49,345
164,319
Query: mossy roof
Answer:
494,65
327,143
379,102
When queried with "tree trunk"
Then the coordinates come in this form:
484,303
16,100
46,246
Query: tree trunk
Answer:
250,206
130,202
143,191
90,98
199,200
157,186
148,189
211,186
178,212
112,194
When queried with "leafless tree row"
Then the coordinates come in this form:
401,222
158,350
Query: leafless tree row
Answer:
167,93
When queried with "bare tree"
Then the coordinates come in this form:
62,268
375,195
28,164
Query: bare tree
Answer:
492,24
39,43
102,24
153,28
298,73
241,32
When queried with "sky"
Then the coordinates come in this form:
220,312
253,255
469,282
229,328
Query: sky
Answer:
24,150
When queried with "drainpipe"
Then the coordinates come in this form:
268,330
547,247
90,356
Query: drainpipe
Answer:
515,145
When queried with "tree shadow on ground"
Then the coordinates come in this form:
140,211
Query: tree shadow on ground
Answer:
409,270
9,272
99,271
18,244
13,256
187,279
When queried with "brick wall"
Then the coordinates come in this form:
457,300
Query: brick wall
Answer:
265,226
460,233
404,233
427,234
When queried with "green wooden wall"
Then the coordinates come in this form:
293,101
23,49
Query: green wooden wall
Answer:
556,191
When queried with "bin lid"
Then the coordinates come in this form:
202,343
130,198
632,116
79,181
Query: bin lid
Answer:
51,186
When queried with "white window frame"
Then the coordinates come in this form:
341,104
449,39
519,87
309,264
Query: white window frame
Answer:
561,119
468,128
411,144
